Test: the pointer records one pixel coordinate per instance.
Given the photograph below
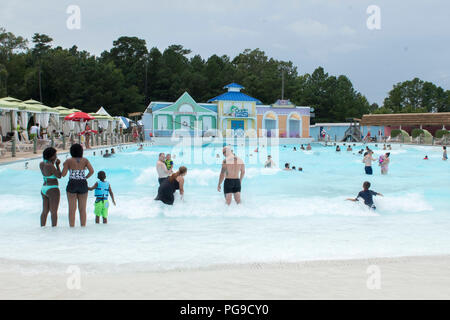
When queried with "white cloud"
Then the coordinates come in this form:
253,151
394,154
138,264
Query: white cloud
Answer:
347,48
232,32
346,31
308,28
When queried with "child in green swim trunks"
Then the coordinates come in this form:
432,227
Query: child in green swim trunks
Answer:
102,191
169,162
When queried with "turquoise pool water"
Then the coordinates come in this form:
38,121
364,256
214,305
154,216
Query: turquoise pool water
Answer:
284,217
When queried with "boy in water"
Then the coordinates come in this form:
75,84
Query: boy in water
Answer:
366,195
444,153
102,190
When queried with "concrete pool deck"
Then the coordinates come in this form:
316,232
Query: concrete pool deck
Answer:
376,278
25,156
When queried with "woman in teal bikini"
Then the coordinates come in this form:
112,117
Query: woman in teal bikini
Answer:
50,190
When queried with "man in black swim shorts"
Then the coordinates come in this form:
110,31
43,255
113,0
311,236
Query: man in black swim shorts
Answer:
233,171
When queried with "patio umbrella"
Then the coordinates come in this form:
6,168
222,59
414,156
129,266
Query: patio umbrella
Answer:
79,116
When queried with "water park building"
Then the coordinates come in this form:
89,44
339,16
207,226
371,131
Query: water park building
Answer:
230,114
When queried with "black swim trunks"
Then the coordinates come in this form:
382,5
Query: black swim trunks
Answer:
232,186
79,186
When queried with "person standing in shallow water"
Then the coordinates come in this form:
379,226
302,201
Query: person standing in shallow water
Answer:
444,153
161,168
233,171
77,188
368,158
170,185
50,191
384,163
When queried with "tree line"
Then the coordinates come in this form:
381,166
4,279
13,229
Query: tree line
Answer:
127,77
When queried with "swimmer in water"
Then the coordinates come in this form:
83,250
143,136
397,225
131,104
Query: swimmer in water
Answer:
366,195
269,162
444,153
308,147
170,185
338,149
384,163
302,147
50,190
286,167
426,157
141,147
349,148
161,168
368,158
102,191
233,171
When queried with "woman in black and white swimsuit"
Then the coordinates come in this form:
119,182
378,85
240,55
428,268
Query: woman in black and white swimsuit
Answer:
77,188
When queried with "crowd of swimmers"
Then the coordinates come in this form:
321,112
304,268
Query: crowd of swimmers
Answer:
231,175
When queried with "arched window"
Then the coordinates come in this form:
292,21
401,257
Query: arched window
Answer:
185,108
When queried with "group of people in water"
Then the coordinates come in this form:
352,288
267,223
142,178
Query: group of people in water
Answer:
231,175
77,187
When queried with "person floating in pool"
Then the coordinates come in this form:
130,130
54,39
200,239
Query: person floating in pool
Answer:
295,149
170,185
287,167
384,163
269,162
366,195
444,153
161,168
233,171
50,191
368,158
168,162
102,191
141,147
426,157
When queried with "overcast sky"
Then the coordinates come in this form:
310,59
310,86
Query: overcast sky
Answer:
413,40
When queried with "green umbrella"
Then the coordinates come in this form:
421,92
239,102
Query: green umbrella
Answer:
60,108
5,105
33,105
10,103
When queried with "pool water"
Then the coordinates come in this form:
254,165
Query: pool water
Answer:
285,216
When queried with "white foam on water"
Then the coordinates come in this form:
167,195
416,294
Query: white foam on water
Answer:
284,216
